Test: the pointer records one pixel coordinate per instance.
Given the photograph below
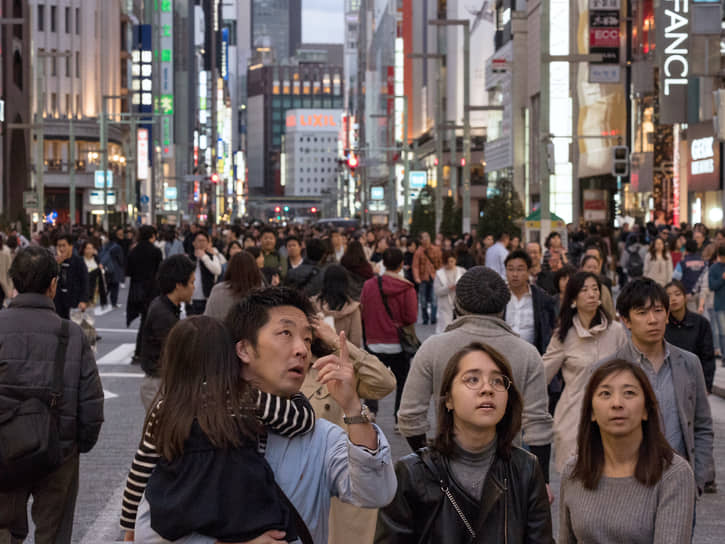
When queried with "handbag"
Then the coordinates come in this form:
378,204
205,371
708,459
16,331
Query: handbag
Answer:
30,426
407,337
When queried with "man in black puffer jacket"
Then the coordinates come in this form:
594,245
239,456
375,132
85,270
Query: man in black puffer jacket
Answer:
29,329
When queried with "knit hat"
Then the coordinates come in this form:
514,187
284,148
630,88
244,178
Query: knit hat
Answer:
481,291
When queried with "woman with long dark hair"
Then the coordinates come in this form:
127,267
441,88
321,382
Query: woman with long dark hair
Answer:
658,263
358,268
241,276
472,484
200,452
626,483
586,334
334,302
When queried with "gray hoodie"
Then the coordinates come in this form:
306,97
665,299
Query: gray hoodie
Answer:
426,374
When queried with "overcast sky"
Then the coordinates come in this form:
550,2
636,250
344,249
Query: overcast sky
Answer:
322,21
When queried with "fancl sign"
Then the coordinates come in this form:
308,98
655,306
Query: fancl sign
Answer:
673,45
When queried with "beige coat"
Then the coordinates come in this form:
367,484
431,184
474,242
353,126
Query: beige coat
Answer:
581,349
346,319
351,524
6,284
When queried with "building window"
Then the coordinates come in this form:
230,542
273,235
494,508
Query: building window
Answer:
78,64
53,12
78,20
53,64
41,17
78,104
53,103
67,63
67,20
67,104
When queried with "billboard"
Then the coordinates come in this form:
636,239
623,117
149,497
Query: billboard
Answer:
672,23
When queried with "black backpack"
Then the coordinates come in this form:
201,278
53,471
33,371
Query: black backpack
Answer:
30,426
635,264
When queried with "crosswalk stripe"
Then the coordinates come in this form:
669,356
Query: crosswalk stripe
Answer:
118,356
133,331
109,395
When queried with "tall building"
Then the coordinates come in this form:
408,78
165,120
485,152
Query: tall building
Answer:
277,25
78,46
272,91
15,82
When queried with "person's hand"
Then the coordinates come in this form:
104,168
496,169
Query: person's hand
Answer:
550,494
337,373
270,537
452,287
324,331
199,253
128,536
701,309
82,306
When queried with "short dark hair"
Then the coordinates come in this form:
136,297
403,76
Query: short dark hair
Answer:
392,257
316,249
292,238
33,270
721,250
518,254
252,313
566,271
201,233
174,270
691,246
146,232
500,235
507,429
640,292
654,454
265,230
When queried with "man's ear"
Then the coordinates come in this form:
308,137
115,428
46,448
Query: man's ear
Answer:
626,321
244,349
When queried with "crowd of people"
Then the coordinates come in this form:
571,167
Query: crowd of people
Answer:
266,349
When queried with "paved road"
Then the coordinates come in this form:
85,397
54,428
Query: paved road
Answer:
104,469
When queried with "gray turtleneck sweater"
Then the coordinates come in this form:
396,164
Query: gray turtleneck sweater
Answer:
470,469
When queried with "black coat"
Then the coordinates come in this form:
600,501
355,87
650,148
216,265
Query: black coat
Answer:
161,317
72,285
29,329
301,277
544,317
513,508
142,267
694,334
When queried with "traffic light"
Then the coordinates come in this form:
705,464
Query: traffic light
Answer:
313,210
435,161
463,161
352,161
215,178
277,209
620,161
286,208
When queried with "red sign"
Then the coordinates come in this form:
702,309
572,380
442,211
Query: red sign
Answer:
313,120
604,37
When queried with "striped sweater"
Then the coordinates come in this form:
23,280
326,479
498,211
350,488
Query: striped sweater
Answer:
287,417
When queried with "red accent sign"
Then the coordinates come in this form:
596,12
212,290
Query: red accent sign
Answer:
603,37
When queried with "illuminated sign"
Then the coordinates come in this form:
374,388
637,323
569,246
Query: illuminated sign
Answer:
95,198
704,148
702,155
225,54
418,179
673,19
377,193
98,179
142,152
141,68
165,104
311,120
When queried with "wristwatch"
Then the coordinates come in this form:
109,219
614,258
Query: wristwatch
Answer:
364,416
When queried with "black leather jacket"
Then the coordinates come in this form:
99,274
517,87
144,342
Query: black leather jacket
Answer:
513,509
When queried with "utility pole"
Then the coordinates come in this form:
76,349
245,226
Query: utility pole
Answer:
212,56
406,166
72,170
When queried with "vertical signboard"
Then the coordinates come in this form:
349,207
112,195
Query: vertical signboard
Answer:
604,39
672,23
142,153
165,104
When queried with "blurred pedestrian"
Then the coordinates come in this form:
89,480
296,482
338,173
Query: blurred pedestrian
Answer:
72,289
241,276
426,261
658,263
444,287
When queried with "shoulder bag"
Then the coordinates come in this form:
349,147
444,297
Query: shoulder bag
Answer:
30,426
407,337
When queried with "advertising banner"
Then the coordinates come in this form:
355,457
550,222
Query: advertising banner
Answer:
672,23
703,171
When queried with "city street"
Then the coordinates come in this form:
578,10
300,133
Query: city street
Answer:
104,469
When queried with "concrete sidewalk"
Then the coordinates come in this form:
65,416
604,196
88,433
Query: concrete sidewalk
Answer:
718,385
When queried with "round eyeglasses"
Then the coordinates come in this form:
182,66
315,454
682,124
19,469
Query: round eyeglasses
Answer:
497,383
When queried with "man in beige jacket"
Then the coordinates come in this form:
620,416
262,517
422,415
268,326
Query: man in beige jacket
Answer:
349,524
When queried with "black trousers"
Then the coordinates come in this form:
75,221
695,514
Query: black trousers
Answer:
54,502
399,363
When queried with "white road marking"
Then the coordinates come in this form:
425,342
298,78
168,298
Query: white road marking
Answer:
121,374
134,331
118,356
109,395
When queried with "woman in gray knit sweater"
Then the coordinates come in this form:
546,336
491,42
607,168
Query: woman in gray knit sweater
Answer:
626,484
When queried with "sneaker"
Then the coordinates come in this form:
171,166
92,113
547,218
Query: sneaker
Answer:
711,487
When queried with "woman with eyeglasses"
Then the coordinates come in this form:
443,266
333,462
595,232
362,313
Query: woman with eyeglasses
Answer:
471,484
626,483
